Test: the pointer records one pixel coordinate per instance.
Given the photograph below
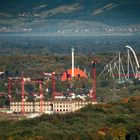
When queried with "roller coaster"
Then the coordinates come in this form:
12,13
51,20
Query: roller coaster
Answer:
123,72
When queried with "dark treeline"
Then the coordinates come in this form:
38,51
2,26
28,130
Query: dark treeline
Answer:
22,44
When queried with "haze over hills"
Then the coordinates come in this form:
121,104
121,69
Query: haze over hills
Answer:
69,16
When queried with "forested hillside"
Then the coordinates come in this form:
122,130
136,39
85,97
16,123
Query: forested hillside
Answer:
99,122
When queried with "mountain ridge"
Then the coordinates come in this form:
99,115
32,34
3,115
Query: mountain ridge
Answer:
109,12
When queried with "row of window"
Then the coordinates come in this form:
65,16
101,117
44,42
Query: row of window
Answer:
37,107
26,110
61,105
19,103
30,110
48,103
61,110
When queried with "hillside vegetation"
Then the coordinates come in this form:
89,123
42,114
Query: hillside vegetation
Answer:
110,121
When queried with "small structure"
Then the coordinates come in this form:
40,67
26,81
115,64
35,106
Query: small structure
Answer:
67,75
59,95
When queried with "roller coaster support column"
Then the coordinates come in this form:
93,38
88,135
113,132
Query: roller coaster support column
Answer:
41,96
53,85
94,79
23,96
9,89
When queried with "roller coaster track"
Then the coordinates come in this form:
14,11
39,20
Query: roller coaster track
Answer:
136,59
118,65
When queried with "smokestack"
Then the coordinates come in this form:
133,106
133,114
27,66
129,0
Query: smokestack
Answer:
72,50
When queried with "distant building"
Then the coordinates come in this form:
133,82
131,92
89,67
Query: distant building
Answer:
59,95
49,107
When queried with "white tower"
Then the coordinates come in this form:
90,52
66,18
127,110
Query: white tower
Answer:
72,52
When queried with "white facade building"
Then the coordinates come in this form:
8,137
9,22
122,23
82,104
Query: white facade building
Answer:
49,107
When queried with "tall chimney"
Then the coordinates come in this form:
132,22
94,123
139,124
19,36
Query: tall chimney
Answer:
72,50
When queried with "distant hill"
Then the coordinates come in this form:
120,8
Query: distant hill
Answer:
107,11
25,13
